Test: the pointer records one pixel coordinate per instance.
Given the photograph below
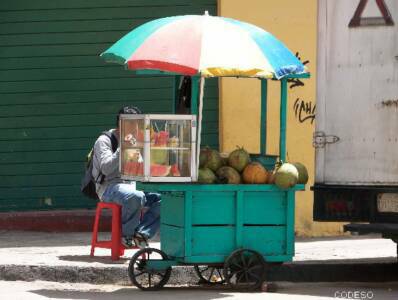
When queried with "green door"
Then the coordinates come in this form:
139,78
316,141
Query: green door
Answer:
57,95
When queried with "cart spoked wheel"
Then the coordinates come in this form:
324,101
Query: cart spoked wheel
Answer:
245,269
210,274
144,278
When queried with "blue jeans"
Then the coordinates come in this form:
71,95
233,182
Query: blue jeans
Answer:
132,201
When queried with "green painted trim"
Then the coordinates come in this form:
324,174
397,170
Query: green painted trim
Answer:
152,72
290,223
283,120
239,219
221,258
176,85
263,121
305,75
171,187
188,223
195,95
158,264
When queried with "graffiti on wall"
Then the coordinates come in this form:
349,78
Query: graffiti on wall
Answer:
304,111
296,82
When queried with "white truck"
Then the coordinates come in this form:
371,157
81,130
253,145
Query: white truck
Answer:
356,137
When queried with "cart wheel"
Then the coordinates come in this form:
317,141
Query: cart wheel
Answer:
245,269
148,279
210,274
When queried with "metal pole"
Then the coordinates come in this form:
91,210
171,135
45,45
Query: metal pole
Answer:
198,140
177,83
283,120
194,95
263,117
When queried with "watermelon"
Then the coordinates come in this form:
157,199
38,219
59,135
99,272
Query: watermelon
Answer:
160,170
175,171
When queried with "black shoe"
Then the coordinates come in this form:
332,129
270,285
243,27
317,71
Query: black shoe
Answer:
127,242
140,240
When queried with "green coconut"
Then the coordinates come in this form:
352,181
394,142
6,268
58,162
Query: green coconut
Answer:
206,175
228,175
203,157
209,158
239,159
303,173
286,176
224,159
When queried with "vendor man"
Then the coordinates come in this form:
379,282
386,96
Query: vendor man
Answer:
136,230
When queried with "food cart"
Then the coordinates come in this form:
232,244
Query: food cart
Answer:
229,232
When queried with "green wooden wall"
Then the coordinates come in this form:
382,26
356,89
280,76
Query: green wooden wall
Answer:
57,95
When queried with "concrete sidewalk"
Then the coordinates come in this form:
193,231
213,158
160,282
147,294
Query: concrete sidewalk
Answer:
64,257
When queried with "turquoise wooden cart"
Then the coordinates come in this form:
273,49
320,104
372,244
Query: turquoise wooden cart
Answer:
228,232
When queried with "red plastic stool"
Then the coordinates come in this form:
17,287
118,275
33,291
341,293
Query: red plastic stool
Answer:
115,244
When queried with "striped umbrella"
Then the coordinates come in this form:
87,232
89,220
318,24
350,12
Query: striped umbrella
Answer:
206,46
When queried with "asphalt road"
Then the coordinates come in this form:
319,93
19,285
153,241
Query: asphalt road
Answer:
15,290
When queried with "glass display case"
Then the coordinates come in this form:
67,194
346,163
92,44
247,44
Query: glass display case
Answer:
158,148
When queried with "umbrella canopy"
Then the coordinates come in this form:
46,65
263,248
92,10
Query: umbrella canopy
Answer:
204,45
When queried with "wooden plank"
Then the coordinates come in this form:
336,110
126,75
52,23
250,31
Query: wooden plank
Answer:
54,62
239,219
210,127
105,71
210,116
60,4
219,259
29,169
14,193
43,144
54,50
40,180
46,203
172,209
205,212
290,223
213,240
265,208
267,240
106,13
56,121
93,96
210,140
44,156
188,230
122,25
156,104
172,240
49,133
77,85
68,38
194,187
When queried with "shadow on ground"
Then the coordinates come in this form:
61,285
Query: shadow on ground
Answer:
95,259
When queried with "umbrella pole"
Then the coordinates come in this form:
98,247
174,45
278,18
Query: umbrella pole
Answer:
200,114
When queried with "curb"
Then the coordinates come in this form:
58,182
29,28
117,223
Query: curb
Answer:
54,221
291,272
